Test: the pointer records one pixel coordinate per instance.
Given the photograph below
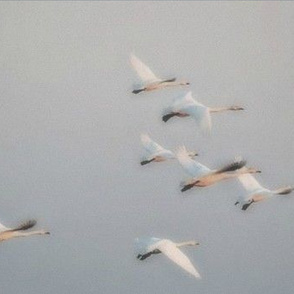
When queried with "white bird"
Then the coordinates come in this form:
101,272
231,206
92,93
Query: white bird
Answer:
155,152
204,176
187,106
256,192
9,233
150,246
150,81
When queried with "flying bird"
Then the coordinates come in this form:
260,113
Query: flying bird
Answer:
150,81
187,106
10,233
150,246
203,176
155,152
256,192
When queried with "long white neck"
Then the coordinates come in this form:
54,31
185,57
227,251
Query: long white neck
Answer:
187,243
219,109
27,234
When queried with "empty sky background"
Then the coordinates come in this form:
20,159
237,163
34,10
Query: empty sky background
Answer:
70,147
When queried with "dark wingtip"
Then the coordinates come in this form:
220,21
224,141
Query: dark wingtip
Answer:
166,117
25,226
187,187
233,166
138,91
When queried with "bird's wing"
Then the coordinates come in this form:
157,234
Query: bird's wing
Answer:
252,187
182,101
143,71
192,167
3,228
250,183
143,244
149,145
169,249
200,113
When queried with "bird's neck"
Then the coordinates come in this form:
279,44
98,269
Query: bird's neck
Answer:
219,109
26,234
187,243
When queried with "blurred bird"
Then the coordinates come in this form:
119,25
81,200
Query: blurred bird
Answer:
256,192
150,246
155,152
8,233
203,176
187,106
150,81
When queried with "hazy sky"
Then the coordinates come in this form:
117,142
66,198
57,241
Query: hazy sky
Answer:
70,147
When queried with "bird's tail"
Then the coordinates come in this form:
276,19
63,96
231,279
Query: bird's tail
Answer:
25,226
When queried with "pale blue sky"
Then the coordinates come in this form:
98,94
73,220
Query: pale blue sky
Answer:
70,147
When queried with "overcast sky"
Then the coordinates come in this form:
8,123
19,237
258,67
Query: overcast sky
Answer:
70,147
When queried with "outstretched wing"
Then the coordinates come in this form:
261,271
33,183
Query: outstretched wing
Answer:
143,244
252,187
143,71
3,228
182,101
250,184
192,167
201,114
169,249
149,145
195,109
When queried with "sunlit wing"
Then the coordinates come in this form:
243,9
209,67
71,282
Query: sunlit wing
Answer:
192,167
149,145
250,184
143,71
182,101
143,244
170,250
201,114
3,228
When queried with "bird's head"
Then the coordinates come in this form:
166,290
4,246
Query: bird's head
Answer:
234,107
184,83
193,154
252,170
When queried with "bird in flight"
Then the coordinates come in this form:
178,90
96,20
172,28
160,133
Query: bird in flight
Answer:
150,81
151,246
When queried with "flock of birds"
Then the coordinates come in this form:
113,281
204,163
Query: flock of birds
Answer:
200,175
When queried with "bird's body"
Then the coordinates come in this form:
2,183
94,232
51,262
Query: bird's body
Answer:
155,152
150,81
203,176
8,233
151,246
187,106
256,193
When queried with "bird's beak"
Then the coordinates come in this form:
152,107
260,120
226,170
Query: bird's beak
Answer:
47,233
259,171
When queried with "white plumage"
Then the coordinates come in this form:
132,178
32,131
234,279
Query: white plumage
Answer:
149,246
255,192
187,106
143,71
